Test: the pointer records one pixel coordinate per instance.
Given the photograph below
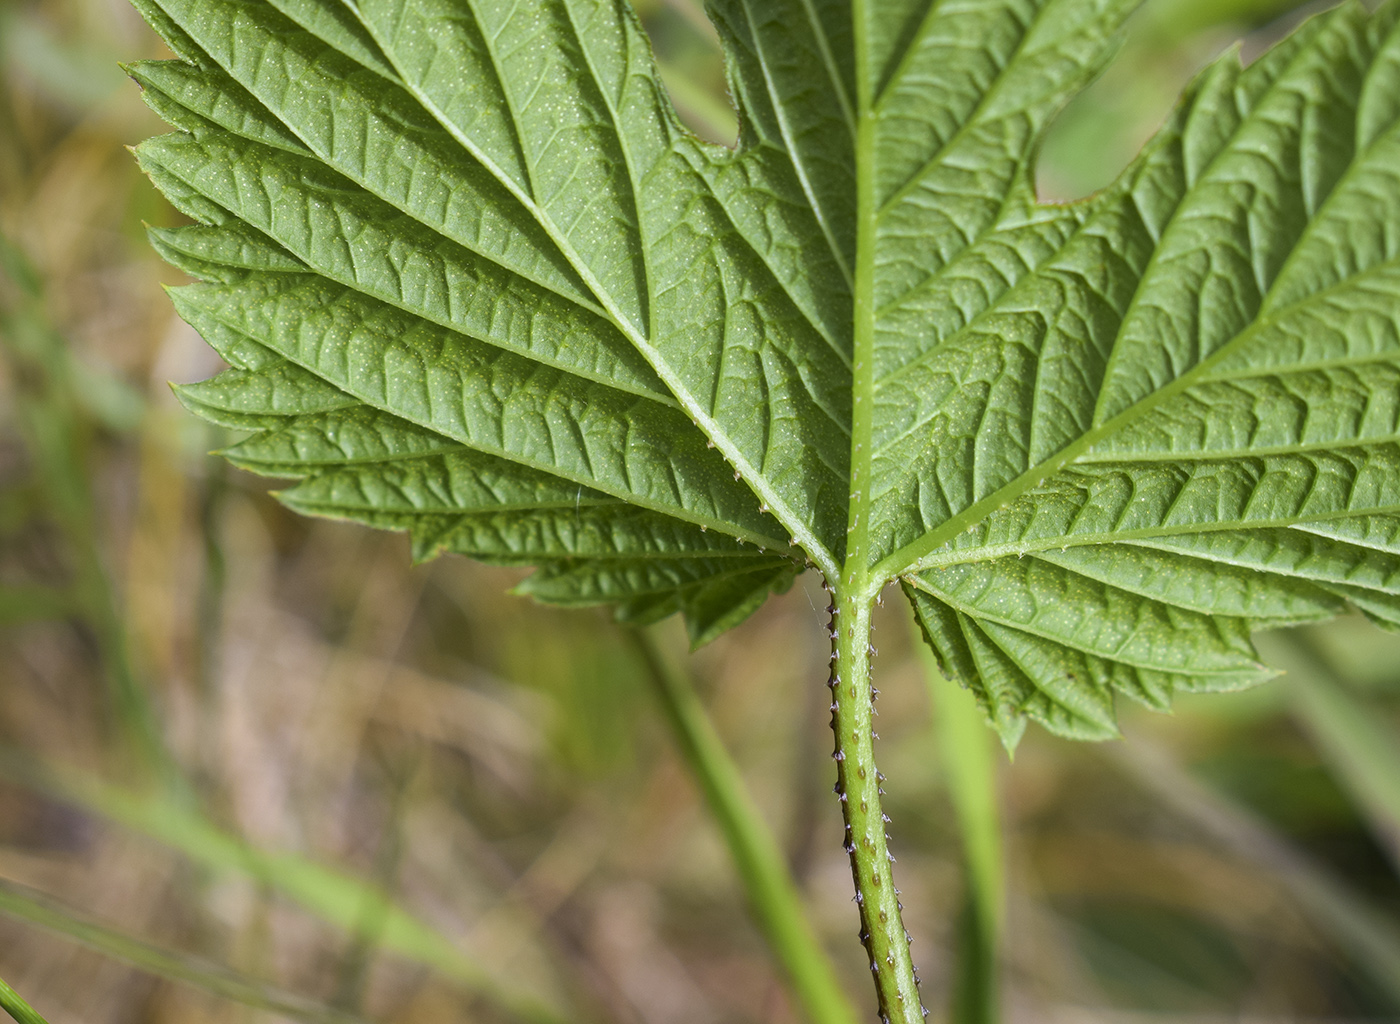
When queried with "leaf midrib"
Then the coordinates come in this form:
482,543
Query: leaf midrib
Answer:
857,577
908,558
983,104
794,155
675,512
1207,174
802,534
479,512
1359,162
1040,633
833,71
1229,454
992,552
620,562
1198,375
1182,601
1311,578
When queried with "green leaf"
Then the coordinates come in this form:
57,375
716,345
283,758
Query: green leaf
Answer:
475,283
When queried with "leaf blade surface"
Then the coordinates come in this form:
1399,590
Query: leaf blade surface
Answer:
476,283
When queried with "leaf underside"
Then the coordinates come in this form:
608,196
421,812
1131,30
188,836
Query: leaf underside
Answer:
474,282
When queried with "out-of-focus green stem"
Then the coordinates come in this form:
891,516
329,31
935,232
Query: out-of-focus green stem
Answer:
332,895
53,424
966,752
716,117
16,1007
1360,748
1360,929
769,885
37,909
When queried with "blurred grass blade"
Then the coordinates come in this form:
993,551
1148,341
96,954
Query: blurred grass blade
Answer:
1167,24
772,893
1370,939
63,69
714,117
42,911
21,603
54,424
965,750
332,895
1361,749
16,1007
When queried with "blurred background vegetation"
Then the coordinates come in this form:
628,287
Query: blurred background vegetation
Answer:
255,767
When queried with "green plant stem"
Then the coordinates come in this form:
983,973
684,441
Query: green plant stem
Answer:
858,787
965,749
16,1007
853,591
772,893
